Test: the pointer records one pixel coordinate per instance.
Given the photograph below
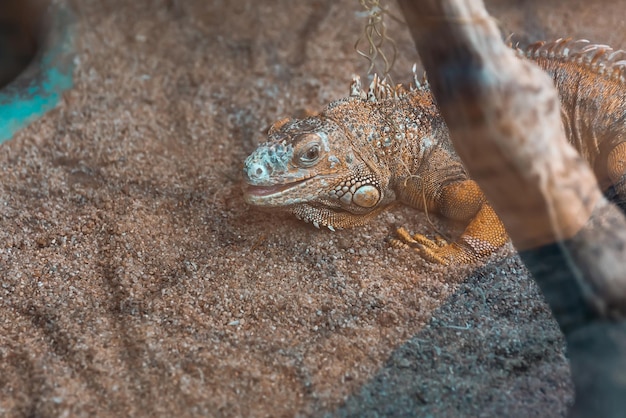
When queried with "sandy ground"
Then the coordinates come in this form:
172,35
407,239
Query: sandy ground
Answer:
136,282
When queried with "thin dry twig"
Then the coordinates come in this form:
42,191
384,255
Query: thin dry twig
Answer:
376,37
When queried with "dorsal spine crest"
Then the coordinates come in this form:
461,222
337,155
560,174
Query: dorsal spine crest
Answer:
601,59
378,90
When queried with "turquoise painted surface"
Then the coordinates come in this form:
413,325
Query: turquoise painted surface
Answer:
40,87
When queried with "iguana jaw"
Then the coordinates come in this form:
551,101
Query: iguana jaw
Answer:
321,216
304,199
276,195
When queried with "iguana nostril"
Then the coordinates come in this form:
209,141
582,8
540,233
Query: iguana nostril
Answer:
256,171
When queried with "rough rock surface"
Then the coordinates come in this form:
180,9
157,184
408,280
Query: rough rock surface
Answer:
134,281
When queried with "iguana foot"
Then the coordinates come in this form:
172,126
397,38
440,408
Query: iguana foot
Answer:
436,250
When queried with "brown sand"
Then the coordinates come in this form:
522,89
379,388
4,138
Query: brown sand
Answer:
136,282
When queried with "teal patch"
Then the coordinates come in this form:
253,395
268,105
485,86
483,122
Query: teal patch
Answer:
40,87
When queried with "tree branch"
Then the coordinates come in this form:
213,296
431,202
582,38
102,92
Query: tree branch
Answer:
504,119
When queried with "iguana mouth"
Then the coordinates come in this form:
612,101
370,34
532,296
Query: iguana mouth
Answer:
262,191
266,190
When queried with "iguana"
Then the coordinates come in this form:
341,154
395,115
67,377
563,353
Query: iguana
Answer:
344,166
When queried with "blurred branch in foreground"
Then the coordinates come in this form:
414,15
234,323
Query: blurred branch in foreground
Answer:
504,119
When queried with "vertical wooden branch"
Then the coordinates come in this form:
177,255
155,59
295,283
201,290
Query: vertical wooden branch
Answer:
504,119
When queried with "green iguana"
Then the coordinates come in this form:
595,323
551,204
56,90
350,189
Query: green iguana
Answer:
344,166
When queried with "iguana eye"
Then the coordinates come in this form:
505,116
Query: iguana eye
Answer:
310,154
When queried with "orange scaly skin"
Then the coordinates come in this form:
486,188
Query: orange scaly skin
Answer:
344,166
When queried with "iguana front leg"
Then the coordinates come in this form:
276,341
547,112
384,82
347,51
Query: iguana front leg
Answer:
461,201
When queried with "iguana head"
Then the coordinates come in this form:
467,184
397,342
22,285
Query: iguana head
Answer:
310,167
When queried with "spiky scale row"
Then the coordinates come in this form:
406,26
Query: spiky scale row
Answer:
379,89
600,59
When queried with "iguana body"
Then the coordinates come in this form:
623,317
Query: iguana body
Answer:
345,165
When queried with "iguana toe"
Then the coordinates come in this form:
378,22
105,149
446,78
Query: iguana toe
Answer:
437,251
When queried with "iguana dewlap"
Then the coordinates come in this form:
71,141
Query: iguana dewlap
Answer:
342,167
